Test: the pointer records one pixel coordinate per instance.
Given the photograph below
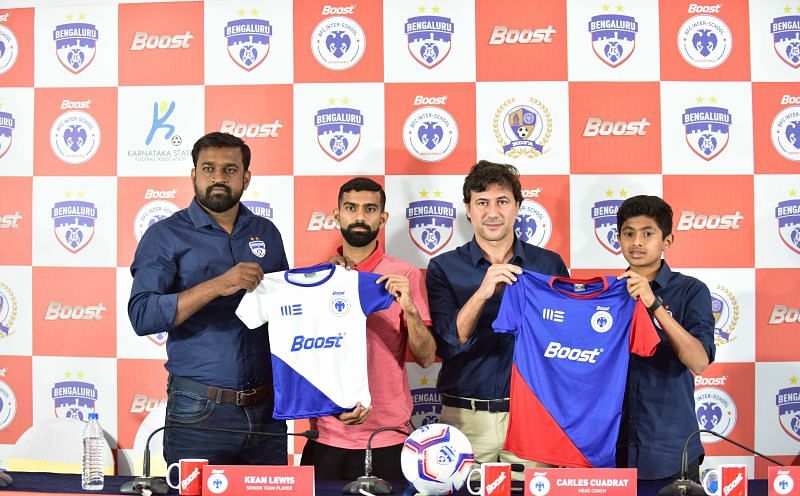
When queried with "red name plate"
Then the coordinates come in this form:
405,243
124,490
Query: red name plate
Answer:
580,481
257,479
784,481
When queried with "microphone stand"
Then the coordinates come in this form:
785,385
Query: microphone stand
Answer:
369,482
5,479
147,485
685,486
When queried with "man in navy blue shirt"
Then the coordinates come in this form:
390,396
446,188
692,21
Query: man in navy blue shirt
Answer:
464,290
189,273
659,410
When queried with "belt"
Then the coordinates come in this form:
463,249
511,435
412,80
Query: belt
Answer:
245,397
492,406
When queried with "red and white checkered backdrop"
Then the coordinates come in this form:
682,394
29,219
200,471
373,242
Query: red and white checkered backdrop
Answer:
592,100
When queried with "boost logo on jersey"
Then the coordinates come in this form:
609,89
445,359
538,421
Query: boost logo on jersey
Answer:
557,350
301,342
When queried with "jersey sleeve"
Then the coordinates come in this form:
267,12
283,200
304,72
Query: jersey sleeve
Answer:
512,308
373,297
419,295
643,337
253,310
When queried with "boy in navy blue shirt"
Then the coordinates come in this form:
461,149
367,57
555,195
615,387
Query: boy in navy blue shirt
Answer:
659,410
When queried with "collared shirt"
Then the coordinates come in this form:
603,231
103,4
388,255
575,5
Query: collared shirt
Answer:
212,346
659,410
480,367
387,338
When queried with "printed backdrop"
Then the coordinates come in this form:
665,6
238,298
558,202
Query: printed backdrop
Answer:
593,100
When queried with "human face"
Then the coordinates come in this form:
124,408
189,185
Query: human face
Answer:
492,212
643,242
360,217
219,178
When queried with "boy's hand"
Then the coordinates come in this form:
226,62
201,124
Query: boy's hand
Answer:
639,287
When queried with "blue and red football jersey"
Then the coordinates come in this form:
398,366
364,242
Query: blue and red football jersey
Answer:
573,338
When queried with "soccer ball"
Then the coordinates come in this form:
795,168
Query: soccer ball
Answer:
436,459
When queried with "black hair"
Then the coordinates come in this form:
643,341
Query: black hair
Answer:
649,206
485,173
362,184
221,140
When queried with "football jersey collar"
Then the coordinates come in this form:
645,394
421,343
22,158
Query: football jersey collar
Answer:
573,294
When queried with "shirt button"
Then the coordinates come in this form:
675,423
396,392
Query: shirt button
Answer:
631,445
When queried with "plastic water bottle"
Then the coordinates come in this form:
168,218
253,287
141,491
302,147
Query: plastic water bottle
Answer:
93,455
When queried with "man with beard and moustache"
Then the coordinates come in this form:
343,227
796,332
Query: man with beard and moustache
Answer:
339,451
189,273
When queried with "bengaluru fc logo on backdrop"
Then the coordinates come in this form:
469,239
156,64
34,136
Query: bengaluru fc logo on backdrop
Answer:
339,131
7,124
73,223
715,411
76,44
788,214
613,37
788,402
248,41
260,208
604,214
707,130
522,130
74,399
430,223
8,48
786,39
429,39
338,43
786,133
705,41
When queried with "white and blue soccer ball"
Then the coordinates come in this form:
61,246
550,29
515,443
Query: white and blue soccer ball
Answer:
436,459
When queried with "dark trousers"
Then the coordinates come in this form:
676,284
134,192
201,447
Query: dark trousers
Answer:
188,405
331,463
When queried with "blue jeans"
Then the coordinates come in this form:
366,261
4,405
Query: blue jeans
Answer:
188,405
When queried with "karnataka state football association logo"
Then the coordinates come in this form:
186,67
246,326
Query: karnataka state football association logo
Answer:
76,44
73,398
9,49
73,223
151,213
75,137
785,32
8,311
613,37
8,405
707,128
248,40
430,222
533,224
338,43
339,129
788,402
429,37
705,41
786,133
725,309
522,129
604,215
7,124
715,411
787,212
430,134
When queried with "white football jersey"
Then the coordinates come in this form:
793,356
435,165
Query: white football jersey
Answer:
317,334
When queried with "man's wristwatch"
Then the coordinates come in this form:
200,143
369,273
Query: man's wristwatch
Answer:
656,305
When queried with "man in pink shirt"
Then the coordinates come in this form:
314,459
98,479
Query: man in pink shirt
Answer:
339,451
